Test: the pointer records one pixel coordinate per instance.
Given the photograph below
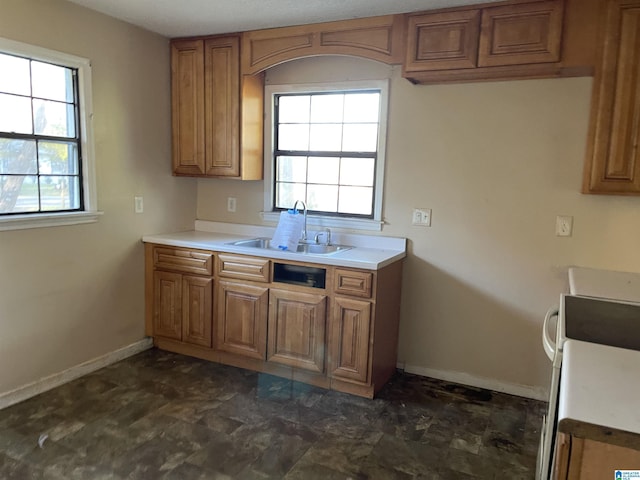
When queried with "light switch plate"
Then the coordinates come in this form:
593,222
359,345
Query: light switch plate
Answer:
421,217
564,225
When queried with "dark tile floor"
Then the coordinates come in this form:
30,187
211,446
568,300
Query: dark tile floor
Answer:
159,415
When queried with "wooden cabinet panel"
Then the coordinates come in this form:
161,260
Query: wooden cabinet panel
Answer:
181,260
197,299
613,161
244,268
353,282
521,34
187,104
241,320
217,114
297,329
349,343
586,459
222,106
376,38
442,41
167,305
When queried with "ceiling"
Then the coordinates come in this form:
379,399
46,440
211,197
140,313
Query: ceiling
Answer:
179,18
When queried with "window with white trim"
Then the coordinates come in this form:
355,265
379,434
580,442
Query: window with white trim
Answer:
327,149
46,168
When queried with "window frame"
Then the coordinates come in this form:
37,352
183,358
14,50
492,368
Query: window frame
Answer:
355,221
90,213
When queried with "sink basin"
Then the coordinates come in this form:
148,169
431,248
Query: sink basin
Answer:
603,322
303,248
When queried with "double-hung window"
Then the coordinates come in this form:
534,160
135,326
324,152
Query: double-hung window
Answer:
45,153
328,150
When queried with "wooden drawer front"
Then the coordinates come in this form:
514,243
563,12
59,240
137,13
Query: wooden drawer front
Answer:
187,261
521,34
245,268
357,284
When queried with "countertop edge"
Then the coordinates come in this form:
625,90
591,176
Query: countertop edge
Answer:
218,242
613,436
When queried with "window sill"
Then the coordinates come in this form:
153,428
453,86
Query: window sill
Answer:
23,222
332,222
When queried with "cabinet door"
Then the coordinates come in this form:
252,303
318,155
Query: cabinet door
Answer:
167,304
197,295
222,106
521,34
613,162
349,340
187,106
442,41
241,320
297,329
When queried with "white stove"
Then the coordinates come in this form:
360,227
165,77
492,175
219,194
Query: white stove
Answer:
598,303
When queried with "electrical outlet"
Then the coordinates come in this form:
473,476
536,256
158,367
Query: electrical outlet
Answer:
231,204
564,225
138,203
421,217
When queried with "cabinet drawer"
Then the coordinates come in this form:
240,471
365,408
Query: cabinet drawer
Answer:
349,282
179,260
245,268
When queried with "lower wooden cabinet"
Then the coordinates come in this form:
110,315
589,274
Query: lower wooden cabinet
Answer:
350,334
341,334
182,307
297,324
241,319
586,459
167,304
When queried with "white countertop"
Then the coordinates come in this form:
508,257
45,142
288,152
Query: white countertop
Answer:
609,284
370,252
600,393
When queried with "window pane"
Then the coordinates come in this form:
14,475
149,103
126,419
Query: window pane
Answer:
59,192
327,108
18,194
294,109
357,171
52,82
288,193
53,118
356,200
18,156
292,169
293,137
362,107
15,75
322,197
360,137
15,114
57,158
326,138
324,170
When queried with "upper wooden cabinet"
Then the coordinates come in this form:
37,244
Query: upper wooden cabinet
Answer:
613,162
512,40
442,41
521,34
376,38
216,111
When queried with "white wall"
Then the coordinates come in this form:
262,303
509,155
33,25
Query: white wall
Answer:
70,294
496,162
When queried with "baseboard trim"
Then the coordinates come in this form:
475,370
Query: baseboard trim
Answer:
526,391
52,381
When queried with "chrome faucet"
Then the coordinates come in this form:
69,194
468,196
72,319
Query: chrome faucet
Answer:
304,211
327,234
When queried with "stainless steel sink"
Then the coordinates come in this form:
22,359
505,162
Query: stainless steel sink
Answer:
303,248
603,322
